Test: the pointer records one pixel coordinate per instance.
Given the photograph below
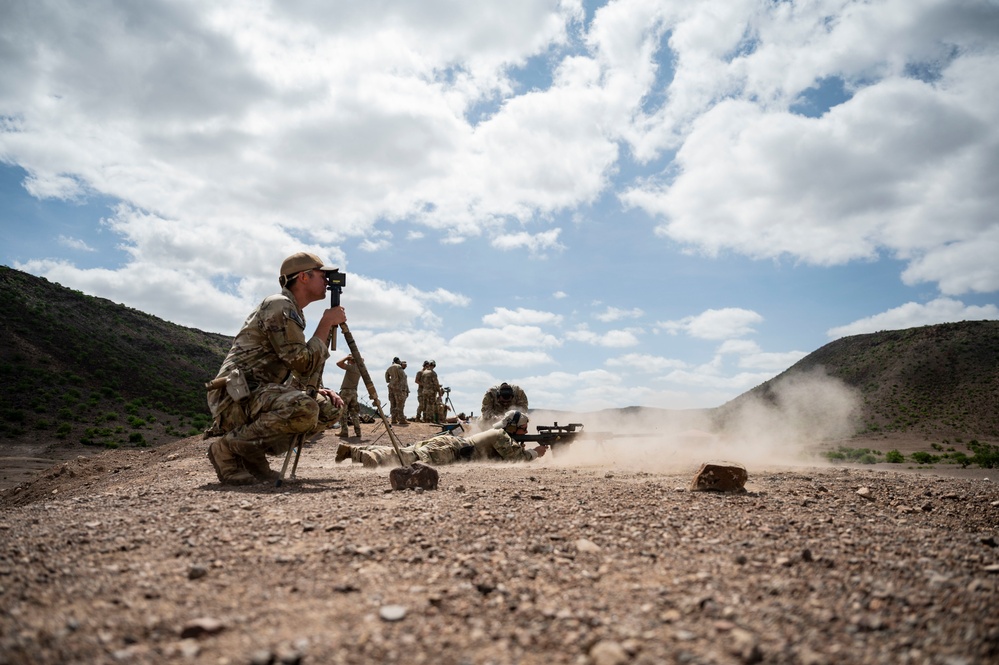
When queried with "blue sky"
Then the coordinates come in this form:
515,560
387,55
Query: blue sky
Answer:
656,203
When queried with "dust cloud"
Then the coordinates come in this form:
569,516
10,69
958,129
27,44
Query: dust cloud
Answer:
782,429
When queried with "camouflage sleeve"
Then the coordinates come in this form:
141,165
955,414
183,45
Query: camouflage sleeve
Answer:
285,330
499,442
510,450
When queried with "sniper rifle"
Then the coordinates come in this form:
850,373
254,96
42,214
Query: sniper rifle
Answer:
552,435
562,435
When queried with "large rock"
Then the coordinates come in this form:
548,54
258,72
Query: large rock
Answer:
416,475
720,477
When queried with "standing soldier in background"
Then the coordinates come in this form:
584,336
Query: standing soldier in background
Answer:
254,400
348,393
430,390
500,399
420,415
398,390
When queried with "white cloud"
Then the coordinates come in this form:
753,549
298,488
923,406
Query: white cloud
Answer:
536,243
904,166
616,314
501,316
714,323
505,337
74,243
643,362
911,314
611,339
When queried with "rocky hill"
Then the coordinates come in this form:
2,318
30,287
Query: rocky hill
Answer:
933,382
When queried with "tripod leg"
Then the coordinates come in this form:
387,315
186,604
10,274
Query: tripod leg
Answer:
297,448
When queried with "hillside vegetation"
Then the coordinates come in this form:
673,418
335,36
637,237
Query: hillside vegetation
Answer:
83,369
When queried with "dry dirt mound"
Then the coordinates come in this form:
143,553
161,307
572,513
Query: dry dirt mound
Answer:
143,557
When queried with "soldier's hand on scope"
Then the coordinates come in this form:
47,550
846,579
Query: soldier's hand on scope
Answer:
540,450
332,317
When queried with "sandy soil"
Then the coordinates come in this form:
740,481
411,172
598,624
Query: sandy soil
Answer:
596,556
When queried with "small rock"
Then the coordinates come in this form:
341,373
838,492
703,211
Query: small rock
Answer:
608,652
392,612
413,476
201,626
745,645
196,571
865,493
588,546
720,477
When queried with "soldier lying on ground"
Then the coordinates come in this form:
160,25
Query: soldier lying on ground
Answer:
494,444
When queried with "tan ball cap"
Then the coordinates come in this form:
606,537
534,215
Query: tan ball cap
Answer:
301,262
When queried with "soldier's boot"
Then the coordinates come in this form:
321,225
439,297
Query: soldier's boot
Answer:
343,452
227,466
357,431
368,460
343,434
254,460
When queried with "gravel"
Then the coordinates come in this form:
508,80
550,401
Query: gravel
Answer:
142,557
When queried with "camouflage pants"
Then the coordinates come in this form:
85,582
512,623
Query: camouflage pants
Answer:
351,410
443,449
428,407
272,417
397,403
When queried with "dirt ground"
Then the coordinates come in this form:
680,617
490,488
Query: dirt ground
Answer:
589,556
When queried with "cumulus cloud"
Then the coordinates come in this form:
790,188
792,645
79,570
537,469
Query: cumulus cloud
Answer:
904,164
616,314
714,324
74,243
536,244
610,339
503,316
646,362
911,314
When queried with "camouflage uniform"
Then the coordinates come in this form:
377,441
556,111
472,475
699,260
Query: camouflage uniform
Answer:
493,445
348,393
430,389
271,352
492,410
398,390
420,416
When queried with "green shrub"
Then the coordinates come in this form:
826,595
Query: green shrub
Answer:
962,459
894,457
923,457
986,455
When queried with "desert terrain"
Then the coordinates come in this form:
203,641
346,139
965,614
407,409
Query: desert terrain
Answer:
598,554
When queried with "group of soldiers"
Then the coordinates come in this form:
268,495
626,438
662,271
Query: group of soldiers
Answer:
430,408
268,393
